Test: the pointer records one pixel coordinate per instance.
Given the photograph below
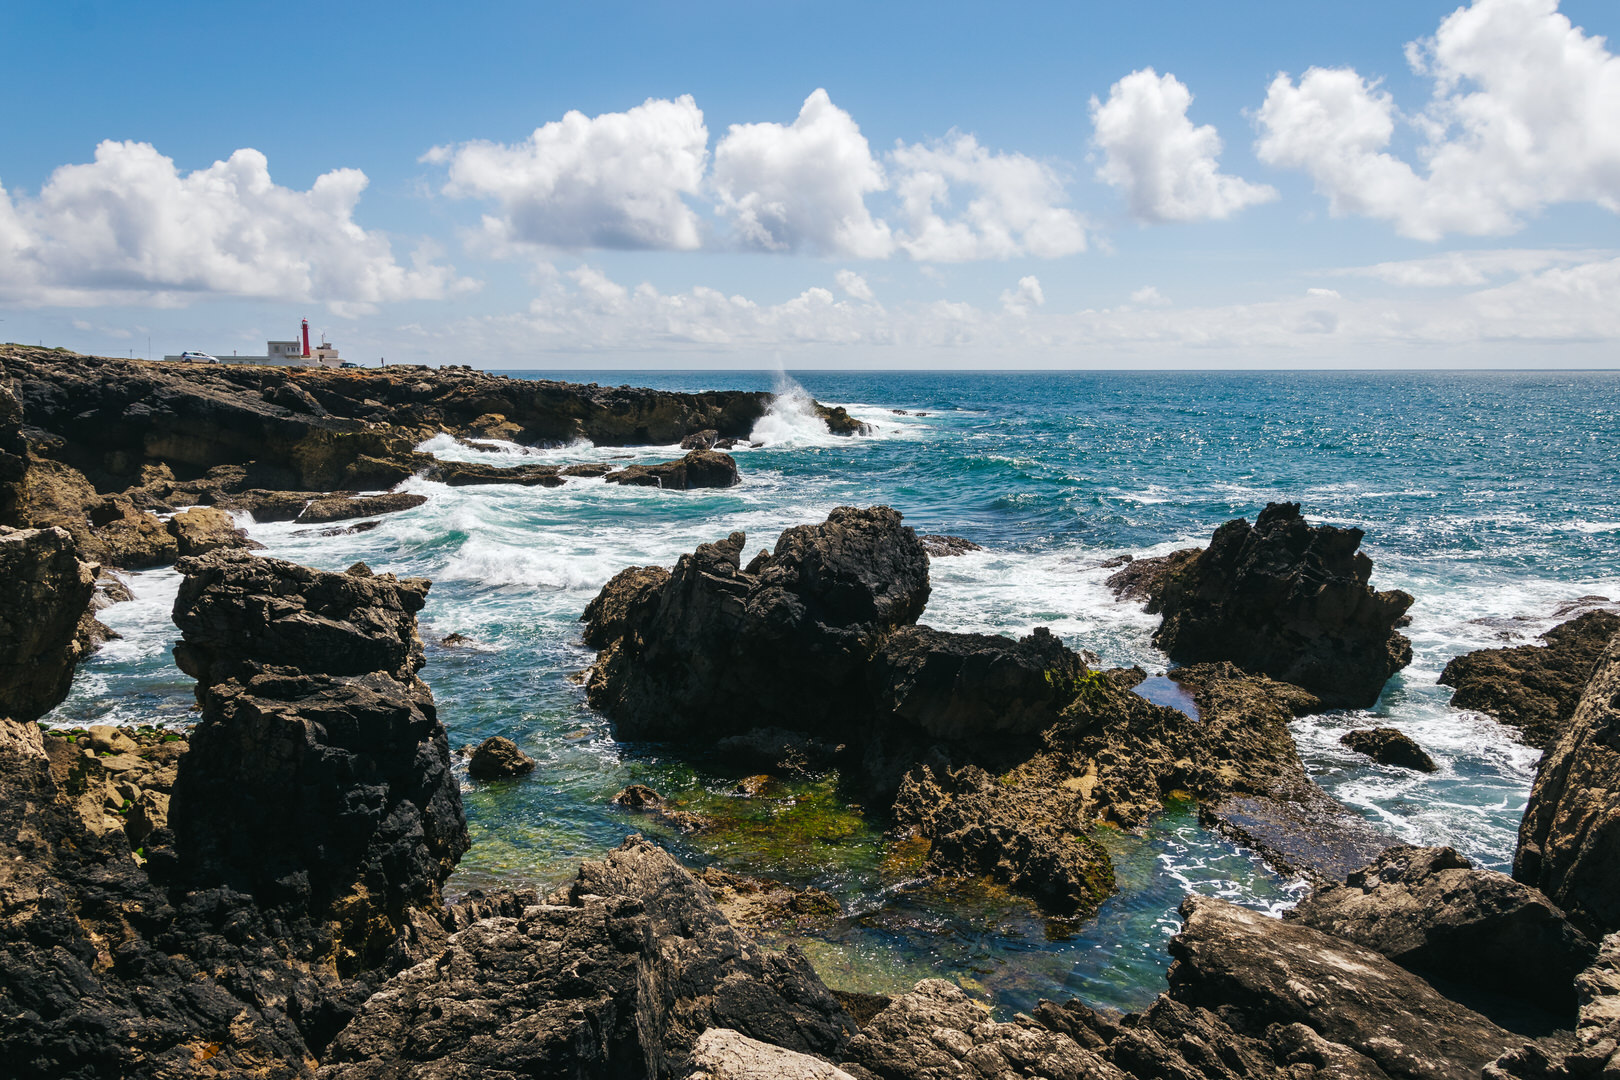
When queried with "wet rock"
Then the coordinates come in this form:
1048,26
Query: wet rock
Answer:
762,904
44,618
202,529
720,650
620,974
701,440
1030,839
1143,579
267,506
1534,687
943,547
1388,746
1288,600
595,469
498,758
1431,911
467,473
1258,971
1569,841
955,685
128,538
319,759
321,511
638,797
624,601
698,469
936,1033
838,420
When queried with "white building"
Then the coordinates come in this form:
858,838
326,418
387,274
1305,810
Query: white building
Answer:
295,353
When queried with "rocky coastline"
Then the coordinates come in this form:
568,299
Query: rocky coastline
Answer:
263,894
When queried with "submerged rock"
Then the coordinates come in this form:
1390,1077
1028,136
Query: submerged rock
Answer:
498,758
1569,841
1388,746
1534,687
45,619
1431,911
1288,600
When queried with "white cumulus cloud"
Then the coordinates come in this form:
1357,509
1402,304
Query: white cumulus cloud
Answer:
1167,169
803,186
612,181
1025,298
1012,206
853,285
1150,296
1522,116
130,227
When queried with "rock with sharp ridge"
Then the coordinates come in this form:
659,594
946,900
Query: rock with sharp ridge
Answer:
1290,600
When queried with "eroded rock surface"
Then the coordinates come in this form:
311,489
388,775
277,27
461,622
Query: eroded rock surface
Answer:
1285,599
1431,911
498,758
1389,746
45,618
202,529
1569,841
698,469
1534,687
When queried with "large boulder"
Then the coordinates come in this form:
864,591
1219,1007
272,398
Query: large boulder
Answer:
620,974
45,596
1289,600
202,529
1431,911
1534,687
1569,841
1258,971
1389,746
319,775
725,648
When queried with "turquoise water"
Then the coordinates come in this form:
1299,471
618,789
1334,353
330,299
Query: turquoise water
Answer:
1490,497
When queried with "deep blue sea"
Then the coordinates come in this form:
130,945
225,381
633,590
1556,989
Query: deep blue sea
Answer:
1492,497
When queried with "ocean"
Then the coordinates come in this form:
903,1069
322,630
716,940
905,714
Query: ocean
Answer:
1491,497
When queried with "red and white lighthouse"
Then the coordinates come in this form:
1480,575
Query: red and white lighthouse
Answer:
306,337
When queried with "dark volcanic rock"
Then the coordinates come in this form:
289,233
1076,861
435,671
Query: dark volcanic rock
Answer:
956,685
13,456
202,529
1288,600
128,538
943,547
1259,971
1143,579
701,440
1388,746
44,615
618,976
1432,912
498,758
1569,842
1534,687
698,469
467,473
1029,838
722,649
623,602
318,743
324,510
1596,1052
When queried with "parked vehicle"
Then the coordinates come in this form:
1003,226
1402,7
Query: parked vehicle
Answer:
198,358
349,364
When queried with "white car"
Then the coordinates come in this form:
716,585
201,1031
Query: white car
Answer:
198,358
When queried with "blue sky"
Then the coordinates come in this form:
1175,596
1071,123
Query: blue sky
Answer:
977,186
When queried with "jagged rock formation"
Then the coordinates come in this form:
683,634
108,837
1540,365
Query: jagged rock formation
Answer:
45,619
1431,911
1389,746
1569,842
1534,687
202,529
13,456
1596,1052
619,974
319,739
1280,598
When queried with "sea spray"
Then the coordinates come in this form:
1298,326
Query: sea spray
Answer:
790,417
